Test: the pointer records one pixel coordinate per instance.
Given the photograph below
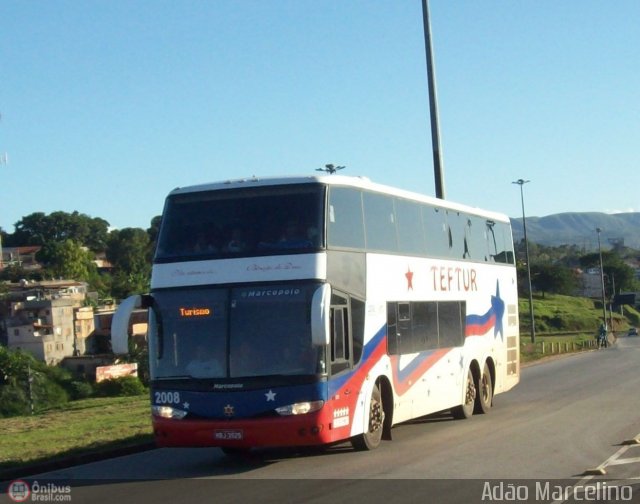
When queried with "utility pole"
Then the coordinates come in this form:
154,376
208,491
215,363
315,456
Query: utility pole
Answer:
433,105
522,182
604,305
4,159
30,381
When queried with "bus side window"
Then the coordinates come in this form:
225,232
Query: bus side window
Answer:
392,329
340,334
452,323
357,328
404,332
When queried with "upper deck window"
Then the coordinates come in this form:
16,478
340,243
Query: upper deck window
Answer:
242,222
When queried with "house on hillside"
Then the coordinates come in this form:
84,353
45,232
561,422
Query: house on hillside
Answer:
48,319
50,327
25,257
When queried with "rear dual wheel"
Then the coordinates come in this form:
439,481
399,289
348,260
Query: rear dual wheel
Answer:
484,397
478,396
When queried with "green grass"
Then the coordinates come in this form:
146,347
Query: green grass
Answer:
85,426
554,313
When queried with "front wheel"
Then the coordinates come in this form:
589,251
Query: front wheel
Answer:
371,439
465,410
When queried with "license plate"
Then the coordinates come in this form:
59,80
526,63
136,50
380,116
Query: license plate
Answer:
228,434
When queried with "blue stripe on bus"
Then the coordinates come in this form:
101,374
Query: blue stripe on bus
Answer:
480,324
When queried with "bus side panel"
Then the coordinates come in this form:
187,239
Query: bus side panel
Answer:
349,391
434,379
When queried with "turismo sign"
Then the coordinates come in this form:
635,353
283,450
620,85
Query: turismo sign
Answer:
195,312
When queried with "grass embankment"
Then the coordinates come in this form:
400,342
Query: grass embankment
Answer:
81,427
566,324
563,324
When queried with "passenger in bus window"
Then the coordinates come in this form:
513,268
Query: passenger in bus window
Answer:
246,360
294,235
237,243
204,365
205,242
313,235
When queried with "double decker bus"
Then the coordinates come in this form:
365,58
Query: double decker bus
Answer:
312,310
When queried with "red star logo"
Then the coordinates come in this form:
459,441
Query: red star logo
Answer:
409,276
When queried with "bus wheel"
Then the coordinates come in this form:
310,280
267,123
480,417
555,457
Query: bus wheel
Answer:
484,397
465,410
372,438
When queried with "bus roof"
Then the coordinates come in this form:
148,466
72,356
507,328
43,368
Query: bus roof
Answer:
338,180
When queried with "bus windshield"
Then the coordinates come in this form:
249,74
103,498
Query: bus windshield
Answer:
245,222
233,333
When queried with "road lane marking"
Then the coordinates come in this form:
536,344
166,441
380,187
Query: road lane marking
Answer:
613,460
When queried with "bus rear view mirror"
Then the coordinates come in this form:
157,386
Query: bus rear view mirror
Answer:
320,305
120,323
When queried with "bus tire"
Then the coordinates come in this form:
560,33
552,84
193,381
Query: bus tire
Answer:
465,410
484,397
373,437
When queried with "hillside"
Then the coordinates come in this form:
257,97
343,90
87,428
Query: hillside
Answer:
574,228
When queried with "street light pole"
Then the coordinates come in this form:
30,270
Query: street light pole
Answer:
433,105
604,306
4,159
521,182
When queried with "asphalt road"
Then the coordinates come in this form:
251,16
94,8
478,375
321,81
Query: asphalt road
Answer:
563,425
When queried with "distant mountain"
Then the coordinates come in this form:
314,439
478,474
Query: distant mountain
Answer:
580,229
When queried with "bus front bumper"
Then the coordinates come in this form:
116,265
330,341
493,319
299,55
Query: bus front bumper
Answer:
296,430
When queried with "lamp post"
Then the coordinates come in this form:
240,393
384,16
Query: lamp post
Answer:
3,160
438,169
521,182
604,307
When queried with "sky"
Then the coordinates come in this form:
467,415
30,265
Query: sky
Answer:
107,105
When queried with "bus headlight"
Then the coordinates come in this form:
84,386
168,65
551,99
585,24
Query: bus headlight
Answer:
301,408
168,412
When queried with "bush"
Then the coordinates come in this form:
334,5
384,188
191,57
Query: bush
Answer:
48,394
13,401
80,390
124,386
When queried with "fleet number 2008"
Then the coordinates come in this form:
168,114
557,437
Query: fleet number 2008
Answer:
167,398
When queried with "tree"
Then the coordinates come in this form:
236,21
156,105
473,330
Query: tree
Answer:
15,272
616,271
554,278
129,251
154,228
38,229
66,259
30,230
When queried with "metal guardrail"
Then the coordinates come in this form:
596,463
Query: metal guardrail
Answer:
559,333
